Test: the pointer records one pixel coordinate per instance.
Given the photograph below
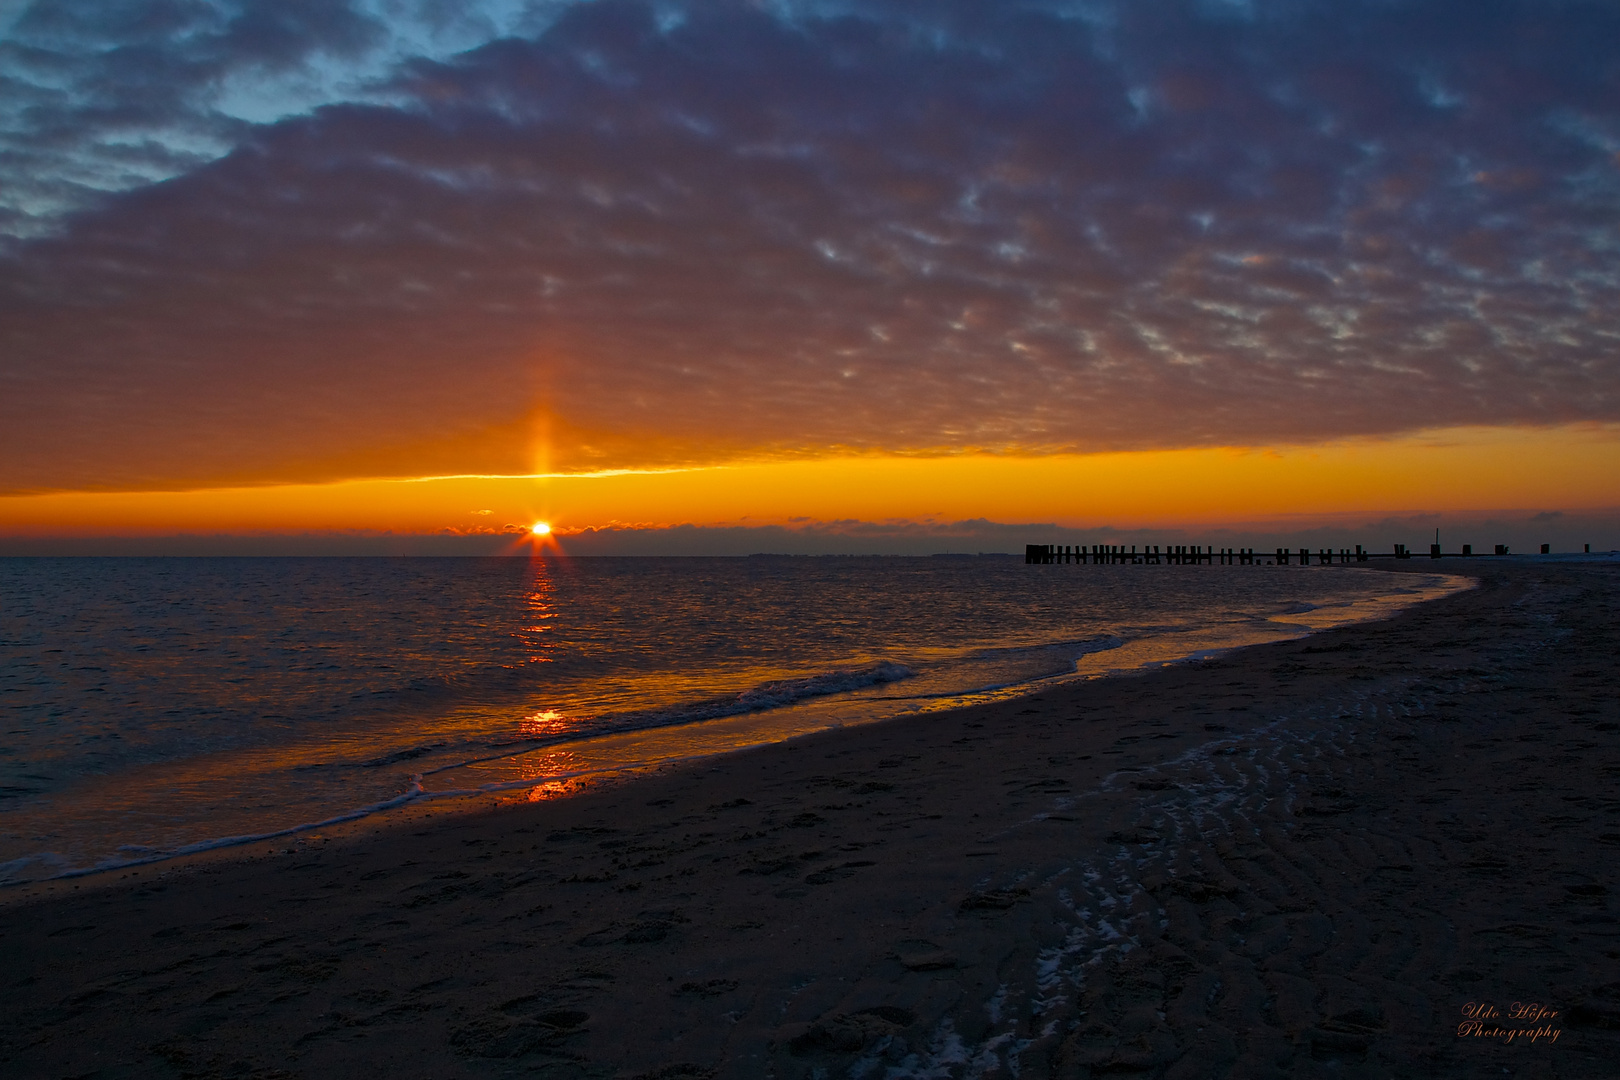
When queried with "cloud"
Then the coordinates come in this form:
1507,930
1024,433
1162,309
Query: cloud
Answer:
675,233
108,95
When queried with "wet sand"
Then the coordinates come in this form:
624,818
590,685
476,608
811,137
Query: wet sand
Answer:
1301,859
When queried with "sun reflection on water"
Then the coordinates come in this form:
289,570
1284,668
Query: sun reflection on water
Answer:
539,643
556,763
546,722
541,607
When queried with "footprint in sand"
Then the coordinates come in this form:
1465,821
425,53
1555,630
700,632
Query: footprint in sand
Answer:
919,955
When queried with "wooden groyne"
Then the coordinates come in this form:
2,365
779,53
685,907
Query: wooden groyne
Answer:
1195,554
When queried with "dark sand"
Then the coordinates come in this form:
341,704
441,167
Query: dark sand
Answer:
1301,859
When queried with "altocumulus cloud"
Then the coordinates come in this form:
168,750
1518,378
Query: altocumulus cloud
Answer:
361,239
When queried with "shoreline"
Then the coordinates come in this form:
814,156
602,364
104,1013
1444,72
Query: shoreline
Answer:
1289,859
687,742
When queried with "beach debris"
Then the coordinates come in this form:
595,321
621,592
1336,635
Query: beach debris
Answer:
992,899
708,989
650,927
851,1033
497,1036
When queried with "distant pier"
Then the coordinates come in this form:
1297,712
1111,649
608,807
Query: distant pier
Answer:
1194,555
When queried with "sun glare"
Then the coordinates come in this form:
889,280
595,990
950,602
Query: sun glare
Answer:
540,528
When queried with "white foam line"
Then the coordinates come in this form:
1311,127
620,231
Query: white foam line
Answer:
236,841
416,794
1290,752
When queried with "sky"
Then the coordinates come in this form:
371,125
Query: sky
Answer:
809,273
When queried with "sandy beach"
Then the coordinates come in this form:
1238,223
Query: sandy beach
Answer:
1385,850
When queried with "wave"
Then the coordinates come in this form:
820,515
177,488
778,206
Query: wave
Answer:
1031,666
140,855
386,712
1071,650
773,695
1059,659
769,695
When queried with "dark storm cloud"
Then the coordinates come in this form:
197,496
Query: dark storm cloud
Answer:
688,232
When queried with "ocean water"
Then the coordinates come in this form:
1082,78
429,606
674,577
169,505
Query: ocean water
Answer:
155,706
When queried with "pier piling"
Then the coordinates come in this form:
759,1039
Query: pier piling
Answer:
1200,555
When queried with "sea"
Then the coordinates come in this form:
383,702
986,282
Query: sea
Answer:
151,707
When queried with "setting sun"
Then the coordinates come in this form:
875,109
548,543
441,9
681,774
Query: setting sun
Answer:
540,528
